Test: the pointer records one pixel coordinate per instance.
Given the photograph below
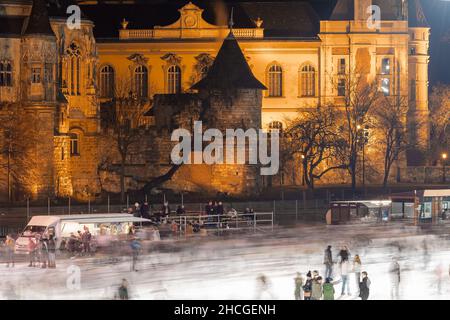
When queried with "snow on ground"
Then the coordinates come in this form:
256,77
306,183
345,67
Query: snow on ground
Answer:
227,268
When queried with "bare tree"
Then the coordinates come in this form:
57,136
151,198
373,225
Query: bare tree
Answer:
18,136
389,122
124,123
359,97
440,119
313,137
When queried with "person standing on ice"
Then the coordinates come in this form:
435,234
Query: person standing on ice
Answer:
316,292
328,262
298,286
357,269
123,290
264,289
135,247
345,269
9,244
51,252
364,287
439,271
394,273
307,288
328,289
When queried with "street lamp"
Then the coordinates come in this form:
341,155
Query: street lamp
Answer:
444,159
364,139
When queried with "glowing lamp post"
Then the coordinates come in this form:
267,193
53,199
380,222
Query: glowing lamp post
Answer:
444,160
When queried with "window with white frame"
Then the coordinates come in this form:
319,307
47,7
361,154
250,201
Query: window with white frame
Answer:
275,77
174,79
107,82
307,81
5,74
141,81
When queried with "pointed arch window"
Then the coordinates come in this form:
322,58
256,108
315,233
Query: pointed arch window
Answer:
308,81
74,69
204,71
5,74
141,81
107,82
174,79
275,75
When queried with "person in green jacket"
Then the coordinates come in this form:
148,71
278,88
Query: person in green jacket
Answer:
328,289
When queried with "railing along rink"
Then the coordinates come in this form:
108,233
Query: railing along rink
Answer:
226,223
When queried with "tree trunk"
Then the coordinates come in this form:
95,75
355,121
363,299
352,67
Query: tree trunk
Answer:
122,179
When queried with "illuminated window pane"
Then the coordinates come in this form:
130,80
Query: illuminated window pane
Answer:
74,145
107,82
341,66
5,74
174,79
308,81
386,66
275,81
386,86
141,81
341,87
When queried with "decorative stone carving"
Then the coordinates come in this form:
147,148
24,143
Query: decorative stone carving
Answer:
171,58
138,58
124,24
258,22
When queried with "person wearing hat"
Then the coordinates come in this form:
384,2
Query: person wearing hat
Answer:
316,291
307,288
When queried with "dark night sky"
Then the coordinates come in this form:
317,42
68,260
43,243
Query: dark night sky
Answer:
438,16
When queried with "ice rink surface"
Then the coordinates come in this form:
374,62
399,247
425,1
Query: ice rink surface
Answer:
227,268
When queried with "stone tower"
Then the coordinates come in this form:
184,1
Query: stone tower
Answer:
419,32
38,86
232,99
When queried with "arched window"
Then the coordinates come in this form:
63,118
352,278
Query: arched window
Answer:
174,79
308,81
276,125
74,145
5,74
141,81
107,82
74,69
275,81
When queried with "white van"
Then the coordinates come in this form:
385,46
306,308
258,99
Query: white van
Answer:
103,227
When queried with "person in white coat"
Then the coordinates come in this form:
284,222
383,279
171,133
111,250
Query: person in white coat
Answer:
357,270
345,270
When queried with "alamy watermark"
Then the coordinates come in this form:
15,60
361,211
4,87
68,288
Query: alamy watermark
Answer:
73,281
74,20
213,153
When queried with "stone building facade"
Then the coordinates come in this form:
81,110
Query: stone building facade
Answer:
298,53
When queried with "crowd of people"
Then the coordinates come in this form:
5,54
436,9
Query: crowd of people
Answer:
316,287
42,249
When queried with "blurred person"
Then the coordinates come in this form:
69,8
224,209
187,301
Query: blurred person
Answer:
307,288
394,274
364,286
86,240
174,228
135,248
165,210
9,245
123,290
181,210
51,252
345,269
328,289
220,208
426,257
357,270
298,280
32,251
344,253
439,272
44,252
264,288
145,210
316,290
328,262
137,209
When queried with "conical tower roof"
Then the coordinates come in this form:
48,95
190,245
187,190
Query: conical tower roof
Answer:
416,17
39,23
230,69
